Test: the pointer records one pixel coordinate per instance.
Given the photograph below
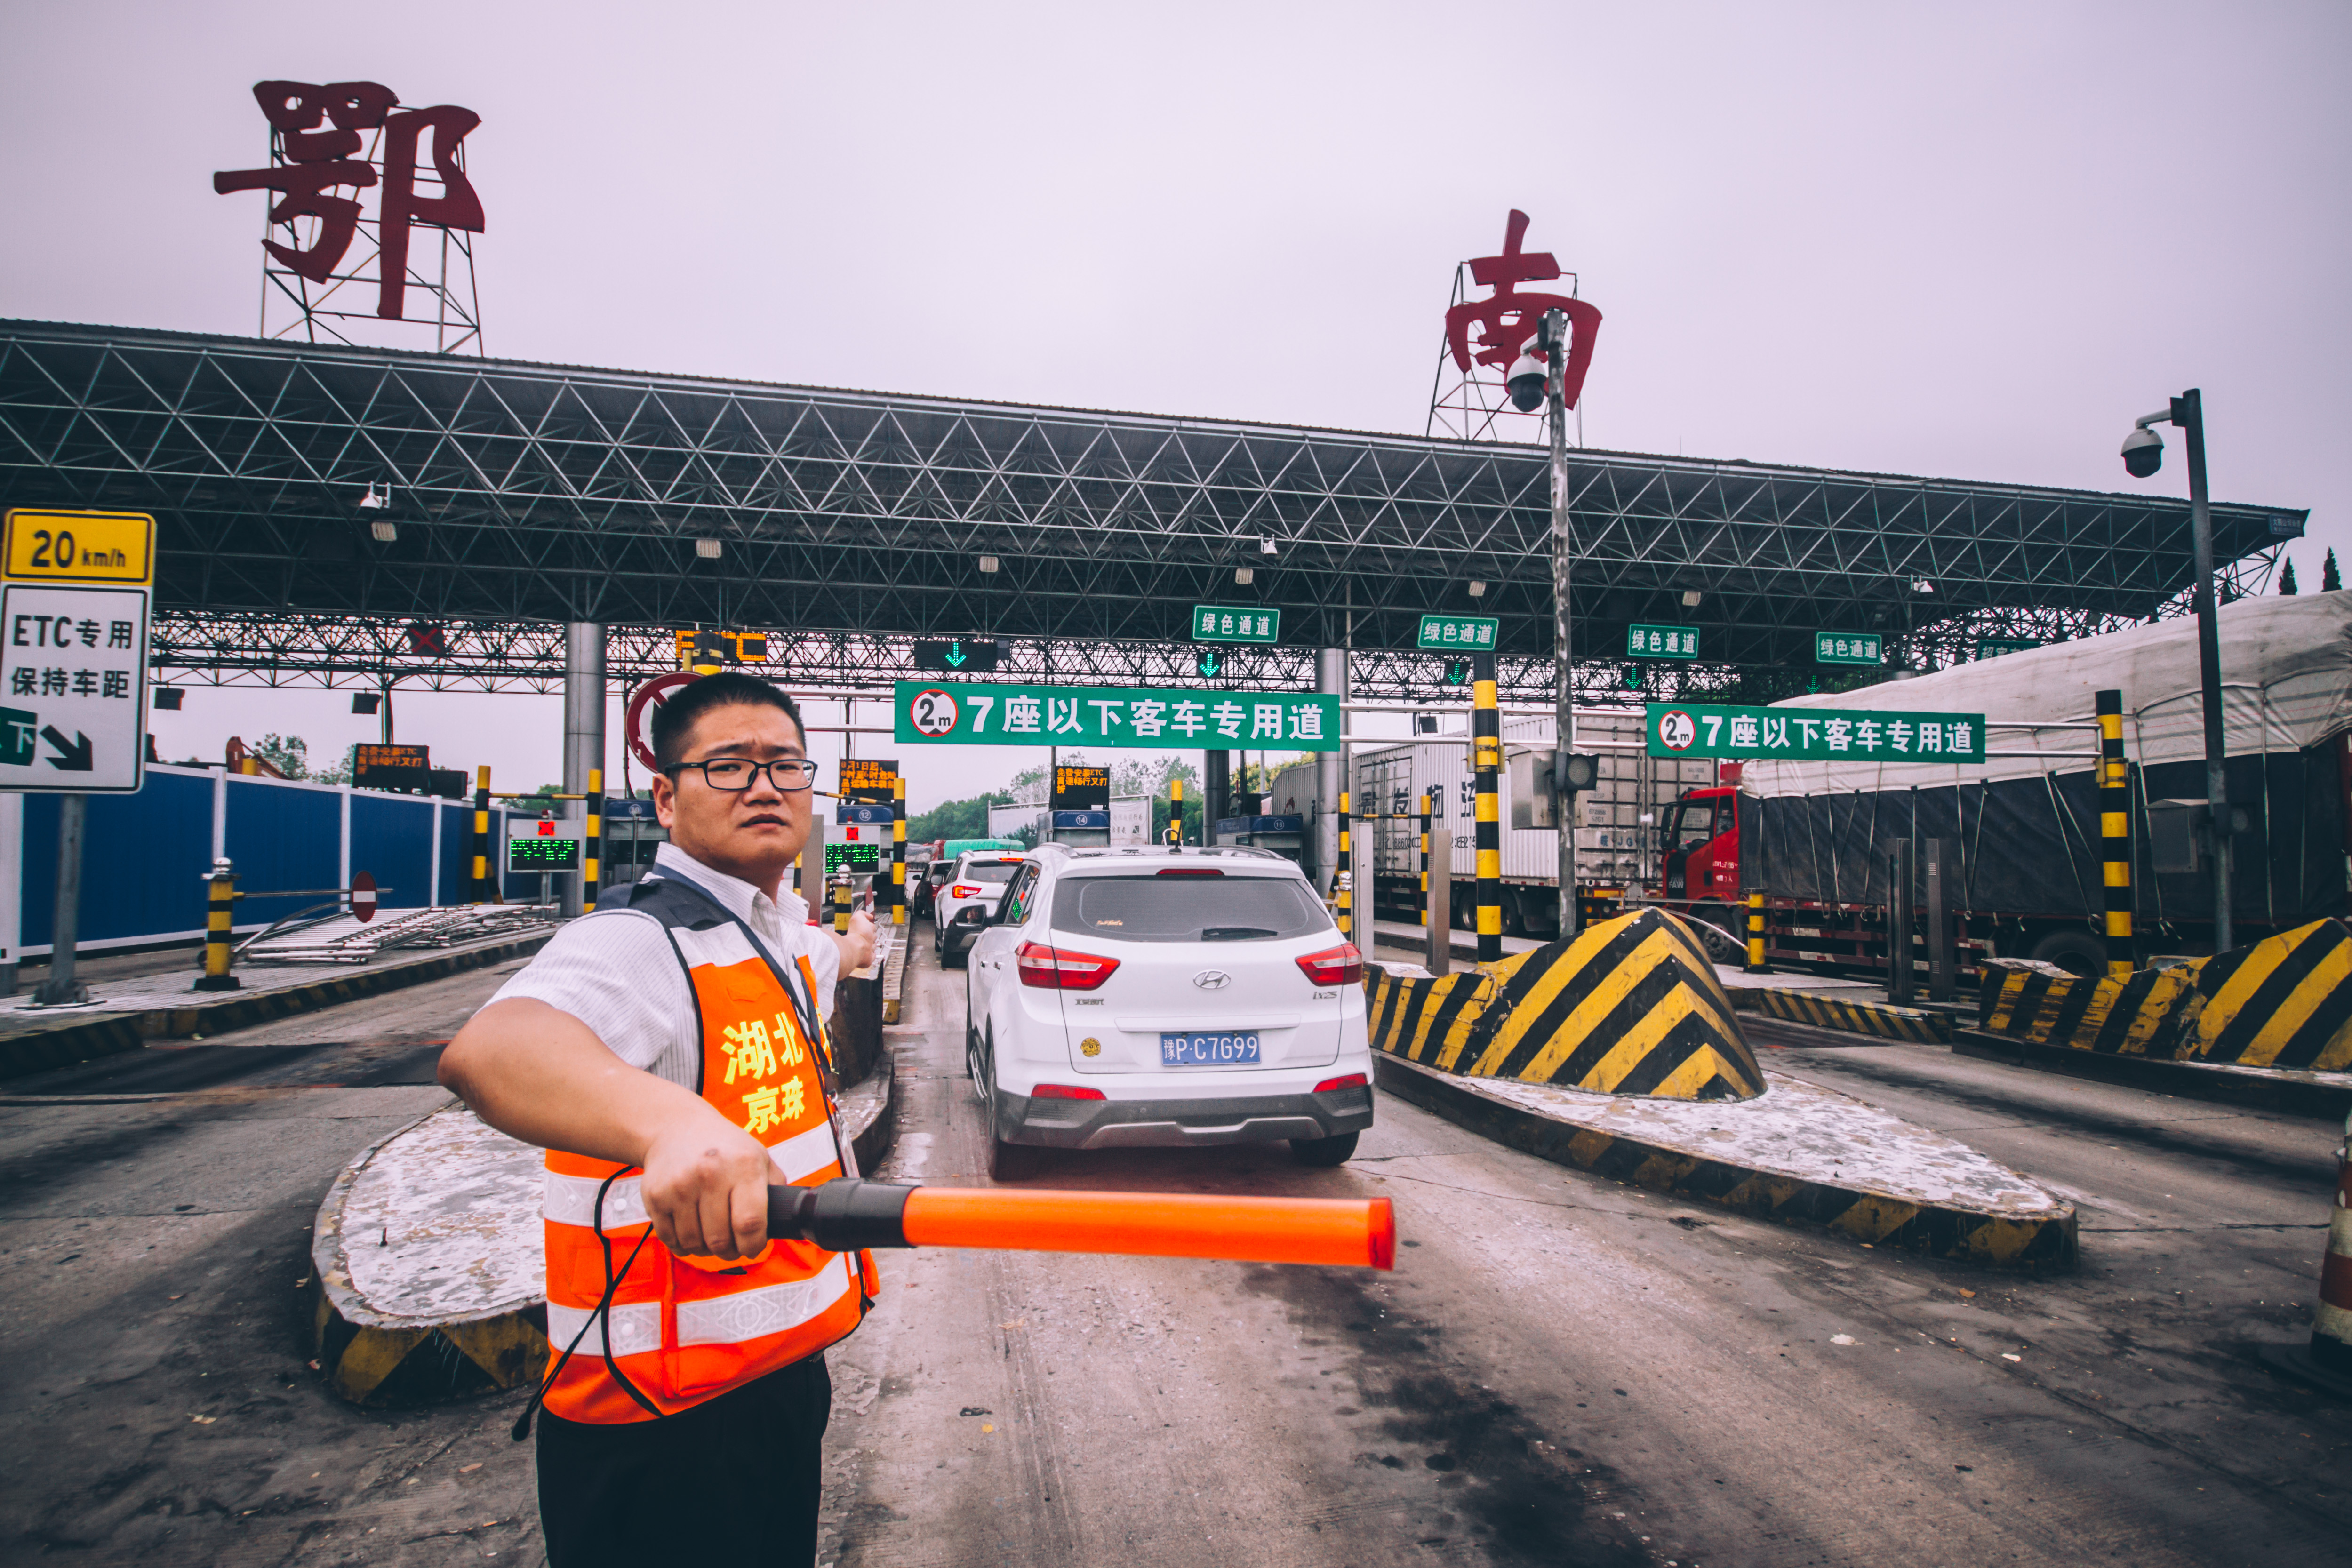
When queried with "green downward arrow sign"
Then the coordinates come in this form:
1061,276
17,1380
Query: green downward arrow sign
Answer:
955,655
1209,665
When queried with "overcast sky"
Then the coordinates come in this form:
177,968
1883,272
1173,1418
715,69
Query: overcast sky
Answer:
1965,242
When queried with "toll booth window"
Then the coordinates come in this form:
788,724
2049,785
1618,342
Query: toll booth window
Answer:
1694,825
1188,908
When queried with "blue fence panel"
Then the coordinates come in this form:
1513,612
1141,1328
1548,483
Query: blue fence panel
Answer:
282,835
143,860
392,840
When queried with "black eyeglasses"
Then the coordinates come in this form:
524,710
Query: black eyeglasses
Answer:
735,775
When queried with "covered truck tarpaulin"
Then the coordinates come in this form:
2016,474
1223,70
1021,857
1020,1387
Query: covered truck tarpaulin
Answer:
2026,817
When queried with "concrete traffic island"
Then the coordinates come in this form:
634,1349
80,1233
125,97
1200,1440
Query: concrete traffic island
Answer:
1619,1051
1797,1153
429,1264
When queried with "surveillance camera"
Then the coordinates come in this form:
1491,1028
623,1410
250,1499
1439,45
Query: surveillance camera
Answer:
2143,452
1526,384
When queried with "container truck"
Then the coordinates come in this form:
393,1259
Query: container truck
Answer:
1814,838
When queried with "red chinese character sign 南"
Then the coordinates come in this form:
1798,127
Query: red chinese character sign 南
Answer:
330,144
1507,319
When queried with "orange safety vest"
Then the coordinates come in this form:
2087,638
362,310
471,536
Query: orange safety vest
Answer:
679,1329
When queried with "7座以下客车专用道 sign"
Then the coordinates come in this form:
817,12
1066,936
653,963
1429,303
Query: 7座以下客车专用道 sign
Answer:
974,714
1812,734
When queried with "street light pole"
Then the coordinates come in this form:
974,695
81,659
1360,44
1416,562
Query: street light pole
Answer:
1554,336
2143,454
2189,416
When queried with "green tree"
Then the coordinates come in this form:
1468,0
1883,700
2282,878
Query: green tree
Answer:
966,818
2286,578
289,755
340,774
2330,580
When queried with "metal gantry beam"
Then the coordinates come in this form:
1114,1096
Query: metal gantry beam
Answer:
525,496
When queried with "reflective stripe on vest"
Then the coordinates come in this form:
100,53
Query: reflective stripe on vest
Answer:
684,1329
572,1200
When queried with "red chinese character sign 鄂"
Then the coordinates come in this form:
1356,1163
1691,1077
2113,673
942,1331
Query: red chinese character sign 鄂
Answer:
319,132
1507,319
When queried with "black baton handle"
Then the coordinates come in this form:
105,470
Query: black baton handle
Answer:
841,1215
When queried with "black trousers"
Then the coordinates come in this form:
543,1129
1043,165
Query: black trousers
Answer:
733,1480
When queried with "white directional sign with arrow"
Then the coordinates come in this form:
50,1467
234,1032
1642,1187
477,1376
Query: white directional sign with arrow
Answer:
73,652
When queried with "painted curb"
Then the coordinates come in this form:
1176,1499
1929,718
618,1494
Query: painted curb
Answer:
105,1034
1934,1230
1880,1020
380,1362
2257,1088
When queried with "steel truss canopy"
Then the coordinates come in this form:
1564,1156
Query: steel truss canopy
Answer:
521,496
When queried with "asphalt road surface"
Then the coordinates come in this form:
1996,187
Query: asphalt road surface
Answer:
1561,1370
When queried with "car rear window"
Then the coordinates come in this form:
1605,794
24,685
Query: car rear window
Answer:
989,871
1188,908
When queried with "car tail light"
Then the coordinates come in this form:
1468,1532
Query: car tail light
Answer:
1065,1092
962,890
1187,871
1060,968
1340,966
1353,1080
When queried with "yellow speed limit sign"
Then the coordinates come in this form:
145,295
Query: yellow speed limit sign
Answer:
81,546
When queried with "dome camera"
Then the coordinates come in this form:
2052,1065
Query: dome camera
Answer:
1525,382
2143,452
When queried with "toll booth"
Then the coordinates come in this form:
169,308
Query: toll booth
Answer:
1086,829
1285,836
632,835
1080,806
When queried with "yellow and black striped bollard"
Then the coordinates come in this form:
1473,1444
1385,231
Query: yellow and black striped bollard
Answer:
1486,758
482,835
220,921
1343,895
898,851
592,874
1755,964
1424,857
841,906
2115,834
1175,811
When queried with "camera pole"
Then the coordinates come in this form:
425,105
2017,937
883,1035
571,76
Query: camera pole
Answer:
1553,337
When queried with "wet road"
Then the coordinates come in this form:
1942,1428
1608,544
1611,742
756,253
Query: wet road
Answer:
1562,1370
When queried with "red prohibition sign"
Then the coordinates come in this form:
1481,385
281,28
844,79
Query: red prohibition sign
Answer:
1677,729
364,897
638,722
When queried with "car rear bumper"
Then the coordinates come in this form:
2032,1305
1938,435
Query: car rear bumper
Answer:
1178,1123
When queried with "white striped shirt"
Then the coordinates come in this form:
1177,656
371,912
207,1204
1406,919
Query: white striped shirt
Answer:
617,971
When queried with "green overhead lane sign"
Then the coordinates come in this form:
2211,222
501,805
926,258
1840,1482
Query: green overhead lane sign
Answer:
1451,634
1847,647
1227,623
977,714
1661,642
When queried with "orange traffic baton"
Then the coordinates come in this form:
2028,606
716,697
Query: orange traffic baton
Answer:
849,1214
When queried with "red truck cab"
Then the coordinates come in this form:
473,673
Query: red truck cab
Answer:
1701,858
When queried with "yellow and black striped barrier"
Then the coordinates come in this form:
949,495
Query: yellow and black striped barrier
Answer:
1880,1020
2115,835
2284,1002
2042,1004
1630,1006
1487,764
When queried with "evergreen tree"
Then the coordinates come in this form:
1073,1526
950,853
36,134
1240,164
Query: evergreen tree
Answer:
2287,579
2330,579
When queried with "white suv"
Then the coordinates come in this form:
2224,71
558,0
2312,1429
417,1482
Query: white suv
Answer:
961,909
1131,997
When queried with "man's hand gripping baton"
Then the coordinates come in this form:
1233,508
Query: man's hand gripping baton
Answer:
849,1214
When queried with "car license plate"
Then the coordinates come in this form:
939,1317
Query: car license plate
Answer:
1227,1050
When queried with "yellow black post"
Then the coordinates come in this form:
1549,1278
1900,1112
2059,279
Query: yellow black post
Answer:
2114,832
1424,857
1486,759
1175,811
1342,894
840,904
219,924
594,869
898,851
1755,964
482,835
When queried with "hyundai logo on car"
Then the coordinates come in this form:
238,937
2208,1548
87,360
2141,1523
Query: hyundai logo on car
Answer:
1213,979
